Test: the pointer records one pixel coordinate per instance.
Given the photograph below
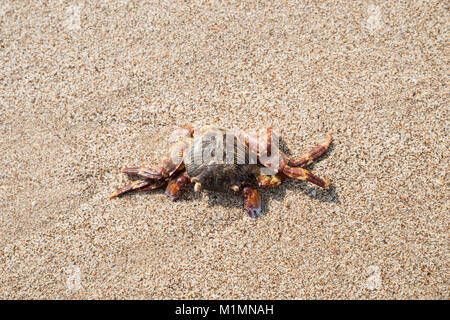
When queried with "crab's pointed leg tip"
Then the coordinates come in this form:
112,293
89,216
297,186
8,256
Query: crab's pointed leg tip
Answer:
197,186
254,212
328,140
171,196
114,195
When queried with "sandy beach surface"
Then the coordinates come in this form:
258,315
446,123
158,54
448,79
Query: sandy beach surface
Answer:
89,87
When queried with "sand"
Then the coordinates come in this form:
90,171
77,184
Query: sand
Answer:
90,87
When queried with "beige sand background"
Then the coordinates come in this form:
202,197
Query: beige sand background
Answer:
89,87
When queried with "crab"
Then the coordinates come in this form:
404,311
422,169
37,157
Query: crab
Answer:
185,165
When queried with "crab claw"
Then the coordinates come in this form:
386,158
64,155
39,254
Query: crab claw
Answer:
303,174
135,185
252,202
176,185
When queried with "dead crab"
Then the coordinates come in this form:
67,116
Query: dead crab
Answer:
199,159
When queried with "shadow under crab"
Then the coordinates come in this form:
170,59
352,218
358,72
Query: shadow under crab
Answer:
220,160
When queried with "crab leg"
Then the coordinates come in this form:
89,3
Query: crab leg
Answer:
138,185
168,165
144,172
303,174
153,178
313,154
154,185
252,202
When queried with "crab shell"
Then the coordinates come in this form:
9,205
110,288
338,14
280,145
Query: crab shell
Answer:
230,170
